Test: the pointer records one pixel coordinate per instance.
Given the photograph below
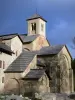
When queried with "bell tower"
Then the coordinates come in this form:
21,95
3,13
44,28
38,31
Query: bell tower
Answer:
36,25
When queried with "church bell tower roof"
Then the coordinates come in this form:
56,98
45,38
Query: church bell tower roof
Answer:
36,16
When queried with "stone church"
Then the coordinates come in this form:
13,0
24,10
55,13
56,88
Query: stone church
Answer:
29,63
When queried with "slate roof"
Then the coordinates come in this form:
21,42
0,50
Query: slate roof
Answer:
5,48
50,50
36,16
21,63
28,39
23,37
7,36
34,74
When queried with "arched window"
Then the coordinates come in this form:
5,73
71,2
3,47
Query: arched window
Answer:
33,26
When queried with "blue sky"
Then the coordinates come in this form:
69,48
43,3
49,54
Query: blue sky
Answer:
60,15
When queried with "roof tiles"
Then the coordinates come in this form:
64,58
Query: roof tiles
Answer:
36,16
5,48
35,74
50,50
21,63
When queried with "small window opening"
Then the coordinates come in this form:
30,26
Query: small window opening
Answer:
0,64
3,64
42,27
33,26
2,79
16,53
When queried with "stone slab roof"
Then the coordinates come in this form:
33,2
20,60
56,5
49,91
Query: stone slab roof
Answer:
34,74
36,16
28,39
50,50
21,63
5,48
23,37
7,36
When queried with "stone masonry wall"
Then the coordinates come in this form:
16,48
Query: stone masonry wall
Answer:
51,63
37,44
65,63
58,68
33,86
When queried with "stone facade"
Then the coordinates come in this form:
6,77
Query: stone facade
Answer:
16,45
38,30
15,78
19,86
40,41
58,76
65,63
33,86
59,68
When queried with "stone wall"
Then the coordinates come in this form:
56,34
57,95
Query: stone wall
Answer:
58,66
4,58
65,63
12,79
33,86
51,63
37,44
12,84
15,45
17,86
38,27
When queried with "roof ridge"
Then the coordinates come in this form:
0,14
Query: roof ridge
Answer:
35,16
8,34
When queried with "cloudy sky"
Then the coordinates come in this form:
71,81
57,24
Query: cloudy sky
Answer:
60,15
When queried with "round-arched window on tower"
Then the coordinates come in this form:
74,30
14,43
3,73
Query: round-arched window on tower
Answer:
33,26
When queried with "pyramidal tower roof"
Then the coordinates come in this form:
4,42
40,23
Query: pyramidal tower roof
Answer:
36,16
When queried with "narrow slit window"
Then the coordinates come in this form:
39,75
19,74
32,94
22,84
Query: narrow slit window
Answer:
42,27
33,25
16,53
3,64
2,79
0,64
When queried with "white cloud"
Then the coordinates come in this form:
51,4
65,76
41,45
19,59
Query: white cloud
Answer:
63,32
